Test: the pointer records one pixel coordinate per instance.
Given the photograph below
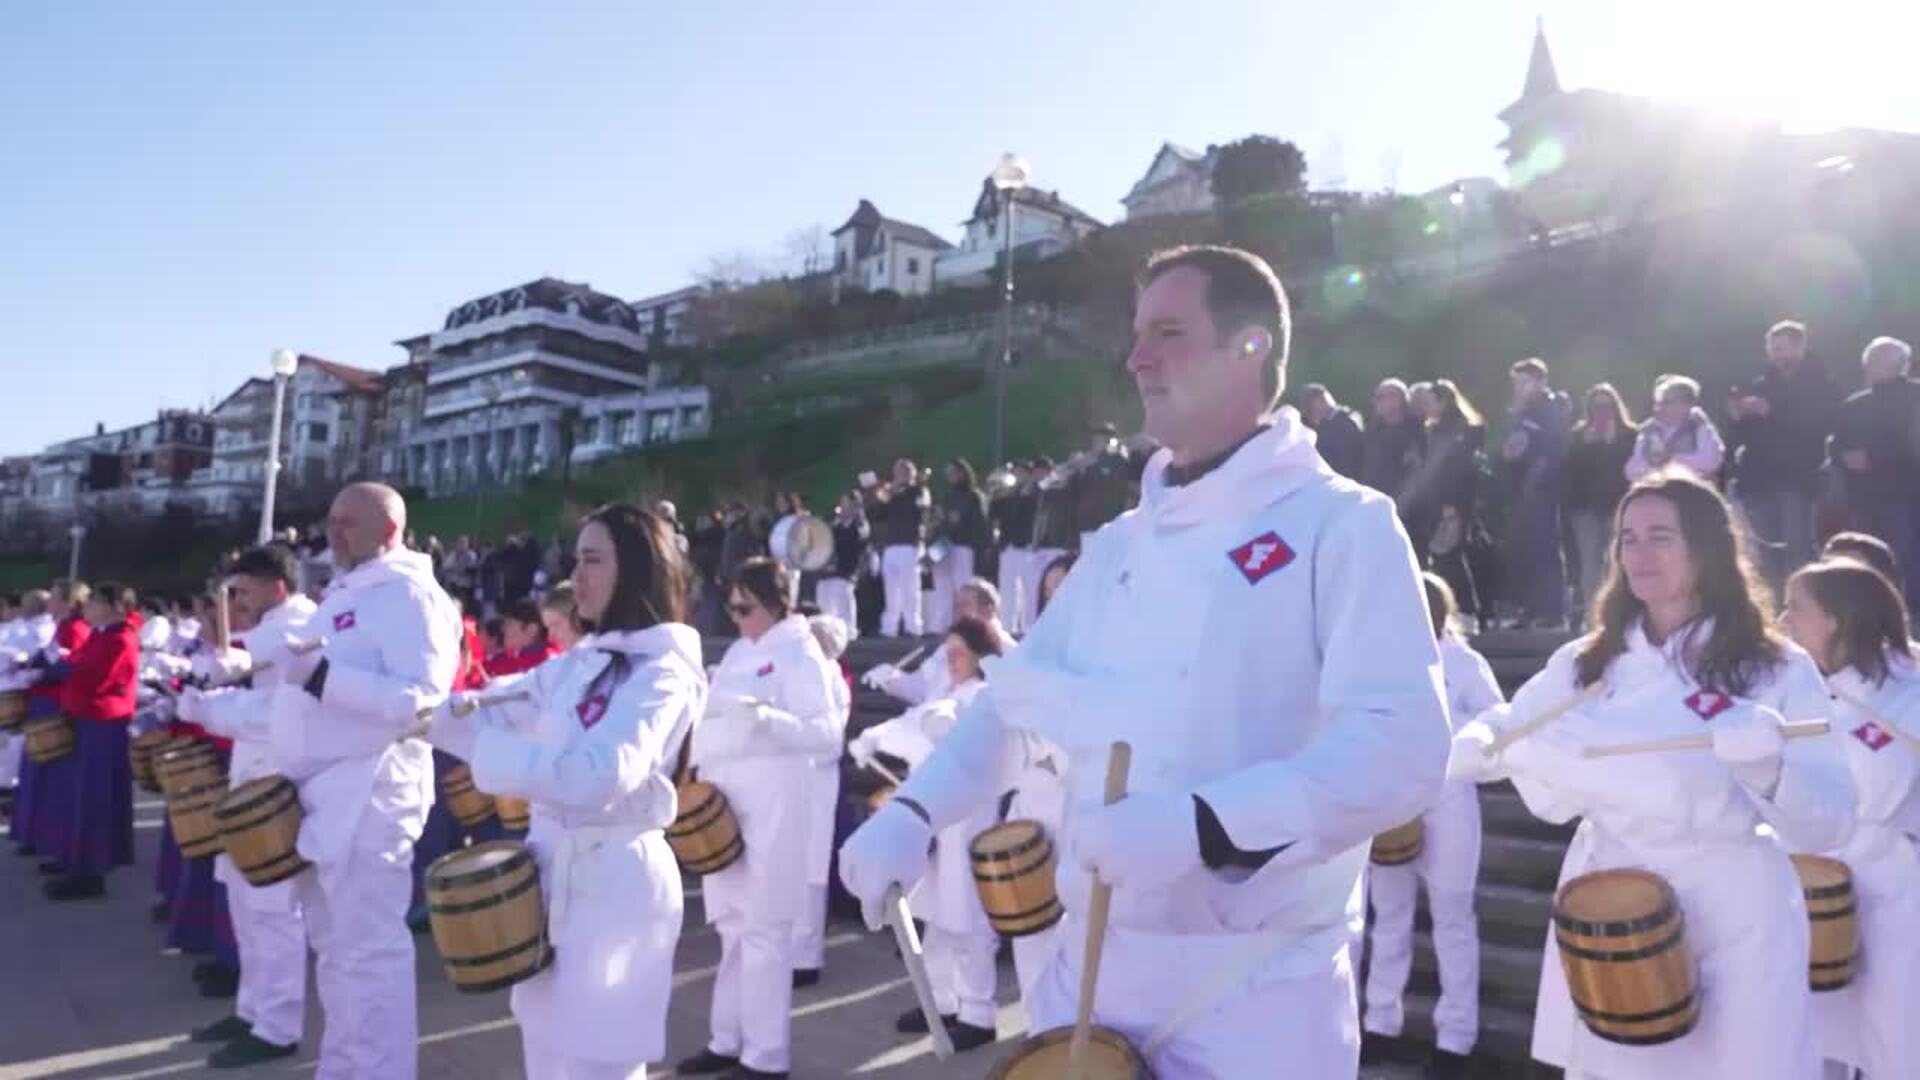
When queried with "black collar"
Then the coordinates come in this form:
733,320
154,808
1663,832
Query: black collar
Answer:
1182,475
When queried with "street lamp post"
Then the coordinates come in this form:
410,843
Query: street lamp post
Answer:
76,532
1458,197
1009,176
490,390
285,362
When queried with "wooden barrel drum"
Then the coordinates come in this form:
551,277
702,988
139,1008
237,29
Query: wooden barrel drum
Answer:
49,738
13,710
488,921
1399,845
1623,945
1044,1057
1013,866
259,824
140,754
190,813
1828,885
187,764
878,797
705,836
516,815
470,806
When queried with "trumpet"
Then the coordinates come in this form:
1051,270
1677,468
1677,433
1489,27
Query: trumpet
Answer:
1001,481
1065,473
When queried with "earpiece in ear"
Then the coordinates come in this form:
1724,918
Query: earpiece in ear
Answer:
1255,344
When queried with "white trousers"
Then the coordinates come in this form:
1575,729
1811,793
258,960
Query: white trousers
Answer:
1031,955
1013,597
273,968
810,932
546,1058
357,919
962,971
900,580
836,597
1448,864
1037,562
948,575
753,994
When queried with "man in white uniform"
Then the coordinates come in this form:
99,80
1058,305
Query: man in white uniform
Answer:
392,645
270,1010
1282,702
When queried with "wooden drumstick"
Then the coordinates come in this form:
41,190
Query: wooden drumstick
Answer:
222,615
424,718
1119,760
1799,730
904,935
1912,742
885,773
1508,738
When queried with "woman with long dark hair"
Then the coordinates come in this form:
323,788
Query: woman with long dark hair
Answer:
960,518
594,747
772,713
1851,619
1682,645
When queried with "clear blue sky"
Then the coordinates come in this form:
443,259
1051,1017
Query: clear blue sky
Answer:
188,186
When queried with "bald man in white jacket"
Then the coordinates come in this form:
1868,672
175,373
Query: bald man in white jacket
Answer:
1256,631
392,645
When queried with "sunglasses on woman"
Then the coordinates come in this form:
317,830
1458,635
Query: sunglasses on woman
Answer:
740,610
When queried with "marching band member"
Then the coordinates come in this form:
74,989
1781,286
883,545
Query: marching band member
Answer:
70,631
1853,623
442,832
1012,510
1448,866
269,1013
962,523
823,804
593,747
199,919
88,813
391,647
977,599
1254,629
1682,642
835,590
32,632
960,943
770,715
898,512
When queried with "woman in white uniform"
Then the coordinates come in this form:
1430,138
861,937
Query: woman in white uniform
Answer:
1448,865
1682,646
771,714
1852,620
593,747
832,634
960,943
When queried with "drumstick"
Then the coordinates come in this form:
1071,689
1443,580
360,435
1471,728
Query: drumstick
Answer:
1800,730
1508,738
885,773
222,616
904,935
424,718
1119,759
1912,742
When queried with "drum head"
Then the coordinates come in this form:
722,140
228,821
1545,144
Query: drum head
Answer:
1613,896
1007,836
1818,872
478,861
1044,1057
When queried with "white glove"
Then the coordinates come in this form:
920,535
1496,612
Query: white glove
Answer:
890,849
293,667
454,727
877,678
863,747
1144,840
1470,757
190,706
1751,746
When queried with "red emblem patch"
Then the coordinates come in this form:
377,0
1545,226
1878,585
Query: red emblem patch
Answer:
764,672
1261,556
1708,704
343,621
591,710
1873,735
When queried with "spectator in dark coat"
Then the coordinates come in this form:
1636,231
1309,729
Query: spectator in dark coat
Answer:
1103,488
1779,429
1441,495
1877,444
1336,428
1592,482
1394,443
1535,451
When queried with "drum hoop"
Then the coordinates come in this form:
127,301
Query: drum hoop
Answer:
272,789
1829,892
724,858
1675,1009
1623,955
512,862
501,983
485,902
1051,904
1835,965
1649,1040
1004,854
192,792
536,941
261,867
1028,871
1669,909
1826,916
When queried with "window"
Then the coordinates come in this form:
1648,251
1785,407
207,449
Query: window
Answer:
317,433
693,416
659,426
913,267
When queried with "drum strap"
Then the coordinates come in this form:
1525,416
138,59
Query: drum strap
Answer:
1225,980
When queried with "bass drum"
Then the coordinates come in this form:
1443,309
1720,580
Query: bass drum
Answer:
802,541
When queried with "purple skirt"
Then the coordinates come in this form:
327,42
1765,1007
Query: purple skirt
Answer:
166,866
85,814
198,921
26,792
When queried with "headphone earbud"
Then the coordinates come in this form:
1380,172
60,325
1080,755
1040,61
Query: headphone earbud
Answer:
1255,344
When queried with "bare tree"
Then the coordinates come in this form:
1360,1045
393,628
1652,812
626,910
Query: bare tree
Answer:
809,249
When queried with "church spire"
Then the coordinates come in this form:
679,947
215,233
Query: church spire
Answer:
1542,79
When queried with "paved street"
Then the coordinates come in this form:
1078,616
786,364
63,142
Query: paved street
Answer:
87,991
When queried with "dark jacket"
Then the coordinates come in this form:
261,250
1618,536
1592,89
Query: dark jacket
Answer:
1054,523
1546,422
1594,476
1013,516
901,519
1448,474
849,544
1389,455
1103,490
1341,442
1884,421
963,519
1783,450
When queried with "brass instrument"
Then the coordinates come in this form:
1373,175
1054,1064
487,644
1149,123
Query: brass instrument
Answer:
1065,473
